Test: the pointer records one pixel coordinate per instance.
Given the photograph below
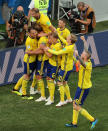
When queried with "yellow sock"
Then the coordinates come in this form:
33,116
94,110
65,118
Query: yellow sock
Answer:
41,86
24,86
34,81
75,117
48,84
87,115
61,87
38,88
67,91
19,83
51,89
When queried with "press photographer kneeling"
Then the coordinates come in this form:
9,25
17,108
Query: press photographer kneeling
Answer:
16,28
87,18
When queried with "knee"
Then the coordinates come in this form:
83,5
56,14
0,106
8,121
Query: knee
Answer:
59,83
65,82
49,79
76,107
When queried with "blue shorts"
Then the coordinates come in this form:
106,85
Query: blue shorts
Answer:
51,71
41,66
29,68
81,95
63,75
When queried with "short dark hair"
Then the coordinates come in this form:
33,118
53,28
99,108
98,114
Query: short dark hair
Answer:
55,35
38,27
64,20
36,10
31,28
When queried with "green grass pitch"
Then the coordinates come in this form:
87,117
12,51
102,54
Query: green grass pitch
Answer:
24,115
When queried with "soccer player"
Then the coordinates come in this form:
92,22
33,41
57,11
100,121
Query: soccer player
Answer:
29,64
84,85
62,30
44,21
66,67
52,66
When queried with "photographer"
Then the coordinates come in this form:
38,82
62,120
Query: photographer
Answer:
16,28
87,18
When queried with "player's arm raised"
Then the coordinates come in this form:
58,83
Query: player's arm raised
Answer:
85,43
80,59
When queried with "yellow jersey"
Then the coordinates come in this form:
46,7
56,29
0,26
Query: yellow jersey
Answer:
43,40
85,76
44,21
55,60
64,33
67,56
31,44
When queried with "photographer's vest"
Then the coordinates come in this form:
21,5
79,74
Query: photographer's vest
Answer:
42,5
89,10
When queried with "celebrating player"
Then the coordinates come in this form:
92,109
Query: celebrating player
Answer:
62,30
44,21
29,64
84,85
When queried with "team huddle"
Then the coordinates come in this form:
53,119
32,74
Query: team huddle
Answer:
50,51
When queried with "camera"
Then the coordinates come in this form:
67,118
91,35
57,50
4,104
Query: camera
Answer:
19,19
17,30
75,27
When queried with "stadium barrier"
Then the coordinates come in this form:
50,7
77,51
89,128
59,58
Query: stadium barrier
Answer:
11,60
